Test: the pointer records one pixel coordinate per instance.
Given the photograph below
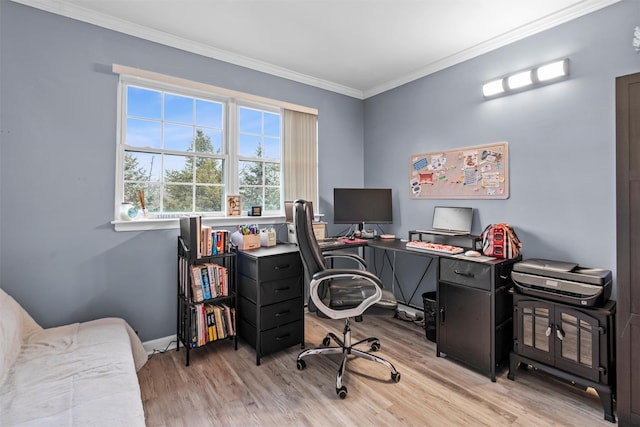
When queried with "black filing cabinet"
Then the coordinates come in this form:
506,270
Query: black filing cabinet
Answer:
475,312
270,304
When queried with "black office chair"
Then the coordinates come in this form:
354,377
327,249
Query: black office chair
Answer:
340,294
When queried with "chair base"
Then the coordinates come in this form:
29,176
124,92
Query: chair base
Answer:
346,348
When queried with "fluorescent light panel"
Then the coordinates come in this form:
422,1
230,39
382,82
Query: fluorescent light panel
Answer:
521,80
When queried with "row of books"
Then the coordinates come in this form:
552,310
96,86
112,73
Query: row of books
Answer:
211,322
203,281
213,242
203,240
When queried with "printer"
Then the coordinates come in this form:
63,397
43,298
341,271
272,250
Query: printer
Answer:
561,281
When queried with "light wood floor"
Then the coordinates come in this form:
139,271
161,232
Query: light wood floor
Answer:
223,387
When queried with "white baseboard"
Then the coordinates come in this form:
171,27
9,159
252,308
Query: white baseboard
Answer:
160,344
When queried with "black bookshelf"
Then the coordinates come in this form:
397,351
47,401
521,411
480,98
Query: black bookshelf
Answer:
196,315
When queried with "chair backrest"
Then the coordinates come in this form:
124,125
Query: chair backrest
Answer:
307,245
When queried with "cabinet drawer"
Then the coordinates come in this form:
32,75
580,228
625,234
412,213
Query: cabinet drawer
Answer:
282,337
274,339
278,314
467,273
280,267
280,290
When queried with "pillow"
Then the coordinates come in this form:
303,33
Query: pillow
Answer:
15,325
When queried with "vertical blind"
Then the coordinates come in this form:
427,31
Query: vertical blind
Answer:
300,156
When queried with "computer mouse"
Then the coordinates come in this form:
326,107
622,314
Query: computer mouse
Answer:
472,253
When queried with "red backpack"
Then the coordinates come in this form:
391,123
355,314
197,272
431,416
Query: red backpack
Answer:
500,241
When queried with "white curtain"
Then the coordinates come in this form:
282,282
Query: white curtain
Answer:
300,168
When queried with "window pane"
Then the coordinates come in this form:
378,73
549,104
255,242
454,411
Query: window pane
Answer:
212,143
141,166
178,168
204,143
251,196
151,195
271,148
208,114
144,103
178,198
272,199
209,198
250,120
178,109
251,173
178,137
272,174
250,146
143,133
209,171
272,124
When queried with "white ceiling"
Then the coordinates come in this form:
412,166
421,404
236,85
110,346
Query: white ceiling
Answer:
355,47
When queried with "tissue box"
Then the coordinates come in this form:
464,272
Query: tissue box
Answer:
268,237
245,241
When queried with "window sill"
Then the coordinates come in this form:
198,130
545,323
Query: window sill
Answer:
174,223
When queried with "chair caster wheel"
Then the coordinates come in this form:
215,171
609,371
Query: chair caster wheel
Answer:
301,364
375,346
342,392
395,377
326,341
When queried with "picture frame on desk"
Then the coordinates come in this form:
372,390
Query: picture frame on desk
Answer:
233,205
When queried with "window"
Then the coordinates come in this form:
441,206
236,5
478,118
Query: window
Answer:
176,151
185,146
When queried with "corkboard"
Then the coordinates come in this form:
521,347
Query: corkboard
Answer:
477,172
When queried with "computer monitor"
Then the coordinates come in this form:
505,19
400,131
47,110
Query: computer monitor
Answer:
362,205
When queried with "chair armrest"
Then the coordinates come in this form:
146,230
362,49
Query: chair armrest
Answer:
362,264
347,273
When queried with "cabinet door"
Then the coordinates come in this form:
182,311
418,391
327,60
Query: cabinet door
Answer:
465,325
533,328
577,338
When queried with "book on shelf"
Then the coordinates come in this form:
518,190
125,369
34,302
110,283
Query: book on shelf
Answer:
211,323
196,284
206,281
229,320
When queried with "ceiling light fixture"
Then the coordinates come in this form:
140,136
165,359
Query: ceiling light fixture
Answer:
522,80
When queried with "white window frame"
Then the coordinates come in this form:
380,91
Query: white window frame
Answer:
233,101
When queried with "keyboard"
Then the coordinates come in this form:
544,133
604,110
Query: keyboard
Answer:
328,243
433,247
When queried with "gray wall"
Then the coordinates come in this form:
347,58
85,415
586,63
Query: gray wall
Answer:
561,137
59,256
61,259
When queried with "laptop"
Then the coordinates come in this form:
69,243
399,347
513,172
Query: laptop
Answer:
451,221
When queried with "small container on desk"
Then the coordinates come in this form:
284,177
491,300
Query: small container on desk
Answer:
245,242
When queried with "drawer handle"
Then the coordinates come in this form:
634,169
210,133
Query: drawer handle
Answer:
282,267
286,288
283,313
281,337
462,273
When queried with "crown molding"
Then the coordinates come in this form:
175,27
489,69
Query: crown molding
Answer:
61,7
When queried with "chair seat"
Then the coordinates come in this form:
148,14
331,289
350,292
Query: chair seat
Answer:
348,293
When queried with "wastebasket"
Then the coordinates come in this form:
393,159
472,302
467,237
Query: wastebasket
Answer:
430,301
